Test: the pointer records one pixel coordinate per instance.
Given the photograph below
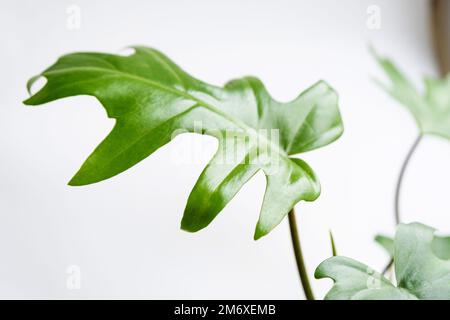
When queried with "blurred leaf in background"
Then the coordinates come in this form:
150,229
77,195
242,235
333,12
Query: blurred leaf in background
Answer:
431,109
422,269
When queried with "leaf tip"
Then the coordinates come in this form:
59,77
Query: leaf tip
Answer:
318,273
260,231
378,238
257,235
27,102
188,225
74,182
81,179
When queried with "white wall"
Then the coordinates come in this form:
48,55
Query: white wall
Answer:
124,232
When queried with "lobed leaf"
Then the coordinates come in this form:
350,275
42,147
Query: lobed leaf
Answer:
356,281
430,109
440,246
153,100
420,272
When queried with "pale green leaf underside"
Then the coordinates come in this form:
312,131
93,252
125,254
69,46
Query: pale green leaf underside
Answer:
153,100
439,245
431,109
356,281
420,273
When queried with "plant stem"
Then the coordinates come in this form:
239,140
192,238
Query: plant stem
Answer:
333,245
398,190
400,178
299,256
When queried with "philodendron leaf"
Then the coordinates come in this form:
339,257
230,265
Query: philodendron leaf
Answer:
153,100
430,109
440,246
420,273
356,281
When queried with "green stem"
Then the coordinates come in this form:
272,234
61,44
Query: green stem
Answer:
333,245
400,178
299,256
399,188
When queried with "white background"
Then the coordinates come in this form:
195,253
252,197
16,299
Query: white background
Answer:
124,232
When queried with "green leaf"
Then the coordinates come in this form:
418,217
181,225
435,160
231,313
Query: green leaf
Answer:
431,109
420,273
153,100
440,246
387,243
356,281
